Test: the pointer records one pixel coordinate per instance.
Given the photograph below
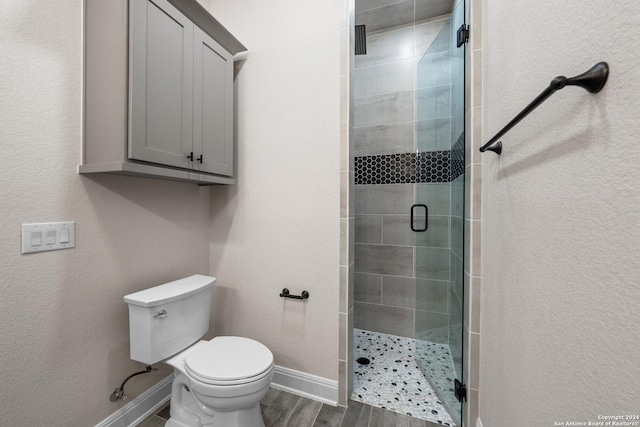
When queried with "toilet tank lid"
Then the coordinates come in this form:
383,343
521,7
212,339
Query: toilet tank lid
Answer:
171,291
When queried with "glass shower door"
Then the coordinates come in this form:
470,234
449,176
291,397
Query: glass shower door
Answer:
439,211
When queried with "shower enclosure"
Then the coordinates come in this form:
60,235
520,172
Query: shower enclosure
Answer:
409,206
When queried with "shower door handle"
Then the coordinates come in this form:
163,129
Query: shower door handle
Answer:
426,217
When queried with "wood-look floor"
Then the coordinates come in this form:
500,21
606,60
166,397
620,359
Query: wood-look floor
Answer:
282,409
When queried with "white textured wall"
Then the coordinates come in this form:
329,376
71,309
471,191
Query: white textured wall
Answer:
561,216
63,322
279,227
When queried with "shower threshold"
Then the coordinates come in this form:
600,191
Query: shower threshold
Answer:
392,379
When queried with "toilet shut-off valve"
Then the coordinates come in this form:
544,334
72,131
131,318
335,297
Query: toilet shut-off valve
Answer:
119,394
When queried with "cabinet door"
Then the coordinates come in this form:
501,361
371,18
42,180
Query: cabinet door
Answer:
161,84
213,105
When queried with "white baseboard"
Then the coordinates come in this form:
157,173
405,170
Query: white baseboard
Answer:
140,407
306,385
289,380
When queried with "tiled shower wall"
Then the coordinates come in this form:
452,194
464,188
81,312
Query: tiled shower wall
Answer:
395,291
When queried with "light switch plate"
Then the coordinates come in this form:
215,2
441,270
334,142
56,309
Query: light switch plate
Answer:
48,236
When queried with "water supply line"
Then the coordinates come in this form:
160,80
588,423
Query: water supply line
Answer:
118,394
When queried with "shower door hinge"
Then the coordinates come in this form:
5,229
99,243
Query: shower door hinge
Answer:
463,34
460,390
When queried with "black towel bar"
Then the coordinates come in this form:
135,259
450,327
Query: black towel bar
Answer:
592,81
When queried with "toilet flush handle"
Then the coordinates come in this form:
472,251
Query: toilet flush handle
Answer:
161,314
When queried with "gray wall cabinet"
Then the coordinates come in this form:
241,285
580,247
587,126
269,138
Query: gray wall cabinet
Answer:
158,91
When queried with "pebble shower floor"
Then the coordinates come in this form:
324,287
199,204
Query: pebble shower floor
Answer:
392,379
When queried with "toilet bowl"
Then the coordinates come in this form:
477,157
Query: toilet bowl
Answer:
220,383
217,383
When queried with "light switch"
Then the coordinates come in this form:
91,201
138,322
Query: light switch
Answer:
51,237
48,236
36,238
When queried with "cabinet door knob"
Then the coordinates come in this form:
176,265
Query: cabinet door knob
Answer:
190,156
200,158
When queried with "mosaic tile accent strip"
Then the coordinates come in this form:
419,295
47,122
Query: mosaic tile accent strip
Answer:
405,168
411,168
392,380
386,169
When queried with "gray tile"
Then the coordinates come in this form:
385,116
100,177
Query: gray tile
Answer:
165,412
433,135
432,263
387,46
349,367
476,190
304,413
474,361
153,421
457,275
457,236
399,291
435,195
329,416
385,319
472,406
271,395
475,290
396,230
433,70
437,324
386,139
344,290
382,418
465,359
368,229
357,415
431,295
362,5
396,198
431,103
346,196
387,17
342,336
368,288
342,384
457,196
426,9
407,421
346,155
280,409
347,236
351,286
467,247
393,260
398,107
431,37
476,63
475,238
389,77
455,331
467,304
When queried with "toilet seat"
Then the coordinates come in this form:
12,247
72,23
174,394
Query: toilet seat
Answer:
229,361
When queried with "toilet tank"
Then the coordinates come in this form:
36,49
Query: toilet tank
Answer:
166,319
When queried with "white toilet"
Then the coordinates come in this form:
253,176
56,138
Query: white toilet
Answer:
218,383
